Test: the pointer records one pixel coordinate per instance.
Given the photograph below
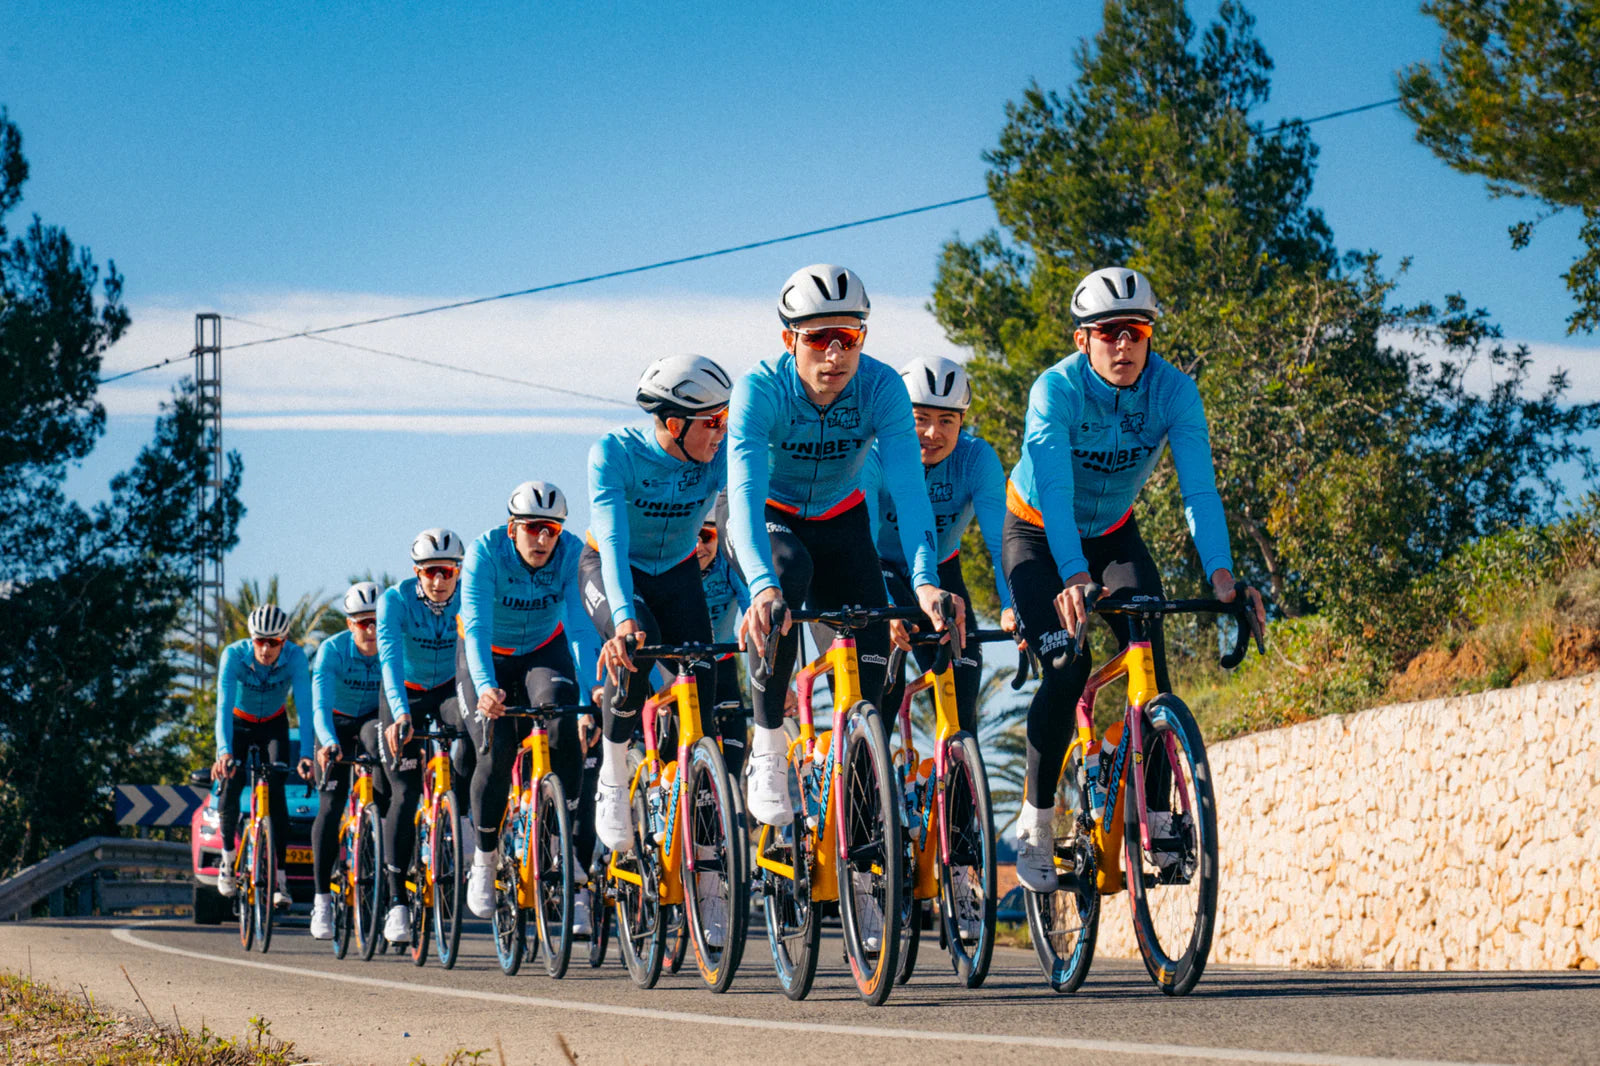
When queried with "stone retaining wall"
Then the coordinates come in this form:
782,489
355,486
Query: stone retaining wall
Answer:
1460,833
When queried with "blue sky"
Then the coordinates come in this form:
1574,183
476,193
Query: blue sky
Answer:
307,164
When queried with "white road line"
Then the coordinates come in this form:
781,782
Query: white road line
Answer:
126,934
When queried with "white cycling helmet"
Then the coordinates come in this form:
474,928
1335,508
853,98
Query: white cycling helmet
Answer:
1113,292
682,385
822,289
268,620
934,381
537,499
437,545
361,598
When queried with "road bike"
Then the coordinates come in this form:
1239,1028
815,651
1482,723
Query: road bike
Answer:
536,866
1164,825
690,850
358,884
435,879
950,838
845,842
255,864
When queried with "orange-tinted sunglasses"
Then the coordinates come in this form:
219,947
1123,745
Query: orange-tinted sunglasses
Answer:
820,339
1137,328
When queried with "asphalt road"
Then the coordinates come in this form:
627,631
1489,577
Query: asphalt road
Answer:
387,1011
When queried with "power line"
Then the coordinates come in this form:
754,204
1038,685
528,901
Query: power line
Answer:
316,334
475,372
612,273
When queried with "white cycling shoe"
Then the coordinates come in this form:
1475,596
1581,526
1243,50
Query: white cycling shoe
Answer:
322,916
613,817
767,789
480,885
397,926
1036,849
227,887
280,896
581,924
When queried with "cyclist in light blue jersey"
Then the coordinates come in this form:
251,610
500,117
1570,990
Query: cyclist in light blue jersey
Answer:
255,677
800,429
344,697
1097,422
964,479
417,649
520,599
650,489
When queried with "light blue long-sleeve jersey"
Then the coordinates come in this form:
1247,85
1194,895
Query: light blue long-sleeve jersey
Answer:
646,508
416,645
969,481
509,609
726,596
261,691
343,682
1089,446
807,459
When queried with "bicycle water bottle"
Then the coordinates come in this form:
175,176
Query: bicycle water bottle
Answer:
1097,790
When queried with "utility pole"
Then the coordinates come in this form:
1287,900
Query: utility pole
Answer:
208,621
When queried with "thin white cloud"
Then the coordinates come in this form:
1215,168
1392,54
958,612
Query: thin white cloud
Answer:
589,346
1582,366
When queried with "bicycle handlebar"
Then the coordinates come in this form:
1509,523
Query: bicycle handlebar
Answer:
689,653
1151,606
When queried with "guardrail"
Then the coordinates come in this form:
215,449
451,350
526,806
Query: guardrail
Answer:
18,894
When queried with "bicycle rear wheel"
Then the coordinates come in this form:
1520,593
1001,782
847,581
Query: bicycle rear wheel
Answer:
553,839
641,933
264,872
717,896
967,881
1174,899
599,913
794,928
510,921
244,894
1065,924
448,876
369,881
421,864
343,898
871,855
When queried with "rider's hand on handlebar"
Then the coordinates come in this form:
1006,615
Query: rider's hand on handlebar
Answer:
753,629
900,634
492,702
222,767
928,600
1071,610
1223,585
1008,620
304,770
398,734
326,755
614,657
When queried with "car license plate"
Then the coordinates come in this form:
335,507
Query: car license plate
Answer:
298,855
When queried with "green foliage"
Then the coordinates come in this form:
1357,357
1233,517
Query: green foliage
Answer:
90,595
1514,97
1348,465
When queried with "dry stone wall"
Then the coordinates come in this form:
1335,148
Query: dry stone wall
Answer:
1459,833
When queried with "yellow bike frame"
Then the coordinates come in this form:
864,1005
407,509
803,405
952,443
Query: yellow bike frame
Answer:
946,724
361,793
436,783
840,662
683,697
1137,663
537,745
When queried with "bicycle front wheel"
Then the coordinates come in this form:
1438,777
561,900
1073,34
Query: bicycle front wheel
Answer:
871,854
510,920
264,872
448,876
553,839
343,899
717,894
1173,884
369,879
968,898
421,867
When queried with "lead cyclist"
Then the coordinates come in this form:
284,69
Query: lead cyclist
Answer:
1096,425
800,429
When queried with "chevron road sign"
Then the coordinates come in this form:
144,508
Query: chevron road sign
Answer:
158,804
